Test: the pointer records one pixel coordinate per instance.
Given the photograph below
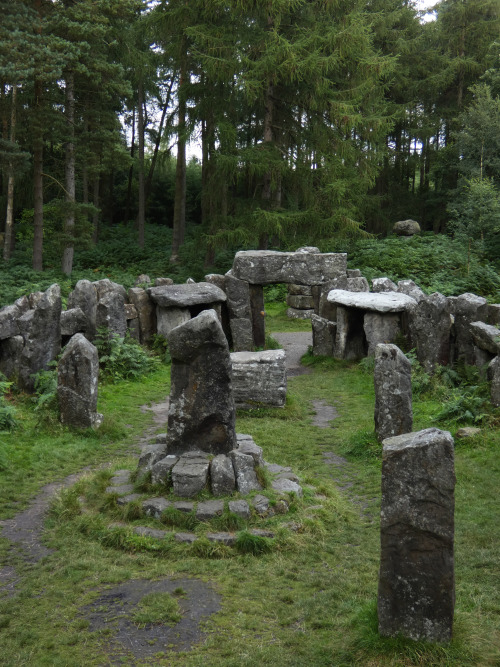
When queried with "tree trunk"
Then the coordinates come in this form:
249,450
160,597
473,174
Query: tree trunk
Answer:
149,179
38,182
140,130
130,171
9,218
179,223
69,227
95,214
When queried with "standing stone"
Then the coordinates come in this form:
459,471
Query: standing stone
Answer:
326,309
258,315
430,330
146,313
410,288
111,313
494,378
43,340
84,296
380,329
468,308
241,334
77,375
73,321
323,335
416,593
393,404
10,354
240,313
169,318
202,413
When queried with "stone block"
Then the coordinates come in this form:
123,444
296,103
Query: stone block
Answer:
84,296
300,302
359,284
259,378
393,397
287,486
150,454
323,334
486,337
262,267
228,539
242,334
169,318
190,476
222,478
146,313
186,295
209,509
244,468
296,314
494,378
110,313
430,324
154,507
246,445
409,288
160,471
240,508
383,285
73,321
381,328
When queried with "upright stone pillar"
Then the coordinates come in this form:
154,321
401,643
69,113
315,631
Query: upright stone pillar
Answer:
77,375
202,413
416,593
393,398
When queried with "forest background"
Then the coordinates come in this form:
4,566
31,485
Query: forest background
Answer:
319,122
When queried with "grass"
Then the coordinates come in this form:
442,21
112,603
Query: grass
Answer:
306,598
157,608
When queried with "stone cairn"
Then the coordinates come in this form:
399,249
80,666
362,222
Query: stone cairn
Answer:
416,593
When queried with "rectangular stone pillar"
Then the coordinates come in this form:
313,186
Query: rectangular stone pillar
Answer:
416,593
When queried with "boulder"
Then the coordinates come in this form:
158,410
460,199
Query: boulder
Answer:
259,378
9,326
240,508
84,296
110,313
146,313
406,228
486,337
393,397
357,284
468,308
323,335
143,279
150,454
161,470
217,279
43,340
410,288
416,592
77,376
163,281
154,507
73,321
246,445
262,267
202,413
429,324
186,295
106,286
383,285
284,485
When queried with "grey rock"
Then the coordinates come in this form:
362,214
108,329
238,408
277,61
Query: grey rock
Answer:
384,302
296,314
323,333
130,311
24,323
409,288
202,413
129,498
143,279
216,279
261,504
110,313
84,296
325,308
209,509
73,321
494,377
106,286
259,378
486,337
468,308
244,468
34,298
288,475
133,329
358,284
144,531
160,471
154,507
241,333
184,506
146,313
416,594
77,377
393,396
381,328
185,538
262,267
259,532
238,297
354,273
246,445
186,295
222,478
287,486
159,282
120,489
43,342
308,249
190,476
300,290
493,315
120,477
430,329
383,285
240,508
406,228
9,326
300,301
150,454
467,432
275,469
169,318
227,539
10,355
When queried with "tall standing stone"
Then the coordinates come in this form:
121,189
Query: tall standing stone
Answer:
468,308
84,296
77,376
430,330
202,413
416,593
43,338
393,398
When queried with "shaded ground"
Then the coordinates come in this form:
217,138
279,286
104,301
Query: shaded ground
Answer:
114,609
295,345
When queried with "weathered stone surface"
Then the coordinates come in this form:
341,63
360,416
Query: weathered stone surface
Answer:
202,413
416,594
323,335
244,468
259,378
296,314
261,504
300,301
43,342
350,339
130,311
190,476
410,288
10,355
358,284
246,445
185,538
288,475
142,279
467,432
34,298
8,321
110,313
468,308
384,302
299,290
159,282
259,532
150,454
160,471
154,507
209,509
380,329
120,489
222,478
354,273
494,378
106,286
287,486
406,228
144,531
84,296
228,539
120,477
185,506
493,316
308,248
77,376
241,333
486,336
275,468
24,323
238,297
73,321
393,398
169,318
262,267
430,328
217,279
240,508
383,285
186,295
129,498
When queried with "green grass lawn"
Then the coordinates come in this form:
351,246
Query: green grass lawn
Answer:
311,600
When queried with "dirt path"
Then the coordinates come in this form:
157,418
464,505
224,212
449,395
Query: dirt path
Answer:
295,345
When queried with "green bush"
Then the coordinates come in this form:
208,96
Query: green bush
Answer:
8,420
123,358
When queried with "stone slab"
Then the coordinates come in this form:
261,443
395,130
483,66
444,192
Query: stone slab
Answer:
381,302
263,267
186,295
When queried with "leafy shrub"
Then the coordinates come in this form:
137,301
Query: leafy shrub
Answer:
123,358
45,397
8,420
